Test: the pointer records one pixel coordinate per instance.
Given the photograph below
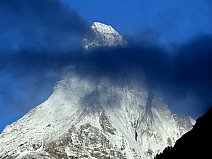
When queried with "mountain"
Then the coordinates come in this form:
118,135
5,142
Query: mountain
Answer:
86,117
195,143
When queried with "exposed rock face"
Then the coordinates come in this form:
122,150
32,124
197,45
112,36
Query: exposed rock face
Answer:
88,119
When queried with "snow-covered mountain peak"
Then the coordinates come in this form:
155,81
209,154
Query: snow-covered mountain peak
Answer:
90,117
103,35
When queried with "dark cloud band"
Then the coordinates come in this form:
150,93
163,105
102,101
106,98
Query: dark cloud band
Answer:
177,76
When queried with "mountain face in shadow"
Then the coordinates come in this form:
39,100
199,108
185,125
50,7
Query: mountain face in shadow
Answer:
194,144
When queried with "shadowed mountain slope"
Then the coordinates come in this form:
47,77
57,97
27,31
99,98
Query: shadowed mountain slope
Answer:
194,144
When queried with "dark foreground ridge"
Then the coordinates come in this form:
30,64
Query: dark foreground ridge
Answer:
194,144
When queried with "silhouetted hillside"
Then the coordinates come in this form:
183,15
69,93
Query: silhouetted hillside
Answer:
194,144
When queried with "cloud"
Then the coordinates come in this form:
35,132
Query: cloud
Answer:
38,24
182,77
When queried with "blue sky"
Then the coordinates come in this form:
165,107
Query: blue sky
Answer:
166,22
170,21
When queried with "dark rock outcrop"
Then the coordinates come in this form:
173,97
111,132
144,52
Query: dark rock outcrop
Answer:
194,144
